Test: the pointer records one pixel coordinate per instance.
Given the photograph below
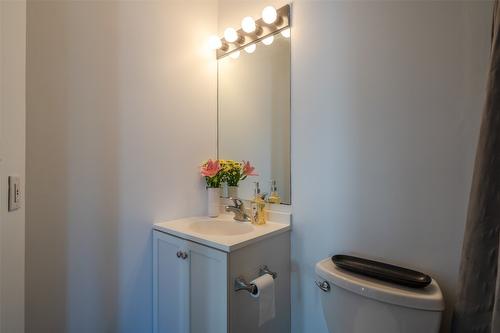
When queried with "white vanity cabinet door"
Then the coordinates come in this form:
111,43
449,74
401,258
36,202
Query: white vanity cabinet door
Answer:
189,292
208,289
170,285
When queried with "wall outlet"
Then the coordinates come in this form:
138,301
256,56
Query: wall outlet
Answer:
14,193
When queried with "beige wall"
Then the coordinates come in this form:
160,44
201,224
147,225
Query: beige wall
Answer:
12,161
121,109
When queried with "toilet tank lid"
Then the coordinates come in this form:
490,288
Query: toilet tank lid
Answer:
429,298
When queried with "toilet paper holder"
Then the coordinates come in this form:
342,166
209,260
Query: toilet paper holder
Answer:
241,284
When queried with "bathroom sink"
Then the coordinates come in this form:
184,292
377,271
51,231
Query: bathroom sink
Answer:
221,227
222,233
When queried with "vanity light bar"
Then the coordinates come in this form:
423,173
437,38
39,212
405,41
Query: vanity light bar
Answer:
236,40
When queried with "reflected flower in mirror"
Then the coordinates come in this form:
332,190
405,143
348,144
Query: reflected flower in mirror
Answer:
248,169
233,171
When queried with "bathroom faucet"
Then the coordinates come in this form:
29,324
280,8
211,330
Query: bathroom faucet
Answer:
239,210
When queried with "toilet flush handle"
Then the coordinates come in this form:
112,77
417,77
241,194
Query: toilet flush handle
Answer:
325,286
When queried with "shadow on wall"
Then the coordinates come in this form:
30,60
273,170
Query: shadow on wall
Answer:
93,124
109,99
72,167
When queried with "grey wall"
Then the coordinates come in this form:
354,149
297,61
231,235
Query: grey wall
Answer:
121,110
12,161
386,101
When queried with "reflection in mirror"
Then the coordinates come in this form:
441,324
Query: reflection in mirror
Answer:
254,114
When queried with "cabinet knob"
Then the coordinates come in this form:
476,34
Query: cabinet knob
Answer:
184,255
179,254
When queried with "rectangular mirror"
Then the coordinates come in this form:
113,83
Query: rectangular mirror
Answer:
254,115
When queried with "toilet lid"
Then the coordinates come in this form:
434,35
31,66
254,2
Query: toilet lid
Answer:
429,298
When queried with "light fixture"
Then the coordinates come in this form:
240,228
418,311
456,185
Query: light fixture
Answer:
250,48
285,33
248,24
230,35
235,55
268,41
251,32
269,15
214,42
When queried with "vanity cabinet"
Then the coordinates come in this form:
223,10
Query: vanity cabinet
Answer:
189,286
195,268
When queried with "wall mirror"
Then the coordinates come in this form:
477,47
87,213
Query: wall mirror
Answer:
254,114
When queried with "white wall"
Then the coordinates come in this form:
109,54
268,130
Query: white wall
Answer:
386,97
121,111
386,100
12,161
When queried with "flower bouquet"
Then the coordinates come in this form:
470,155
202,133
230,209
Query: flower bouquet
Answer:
211,170
233,172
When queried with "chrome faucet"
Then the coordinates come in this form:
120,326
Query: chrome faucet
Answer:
238,209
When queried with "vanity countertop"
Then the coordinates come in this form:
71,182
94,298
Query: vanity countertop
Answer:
222,233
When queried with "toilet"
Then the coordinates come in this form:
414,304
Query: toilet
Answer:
353,303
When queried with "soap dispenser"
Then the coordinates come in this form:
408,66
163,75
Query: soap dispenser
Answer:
258,206
274,197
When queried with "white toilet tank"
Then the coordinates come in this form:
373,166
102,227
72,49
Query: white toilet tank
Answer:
359,304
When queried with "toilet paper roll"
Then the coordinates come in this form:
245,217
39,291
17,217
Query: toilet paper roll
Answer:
265,294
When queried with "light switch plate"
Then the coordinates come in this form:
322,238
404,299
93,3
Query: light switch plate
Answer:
14,193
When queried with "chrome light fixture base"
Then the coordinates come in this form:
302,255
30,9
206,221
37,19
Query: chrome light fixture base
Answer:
262,31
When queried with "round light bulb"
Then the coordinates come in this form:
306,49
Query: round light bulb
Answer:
269,15
230,35
286,33
250,48
214,42
235,55
268,41
248,24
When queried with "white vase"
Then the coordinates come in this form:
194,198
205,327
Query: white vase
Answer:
232,191
213,201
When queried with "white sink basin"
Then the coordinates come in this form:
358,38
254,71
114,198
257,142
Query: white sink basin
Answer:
221,227
222,233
